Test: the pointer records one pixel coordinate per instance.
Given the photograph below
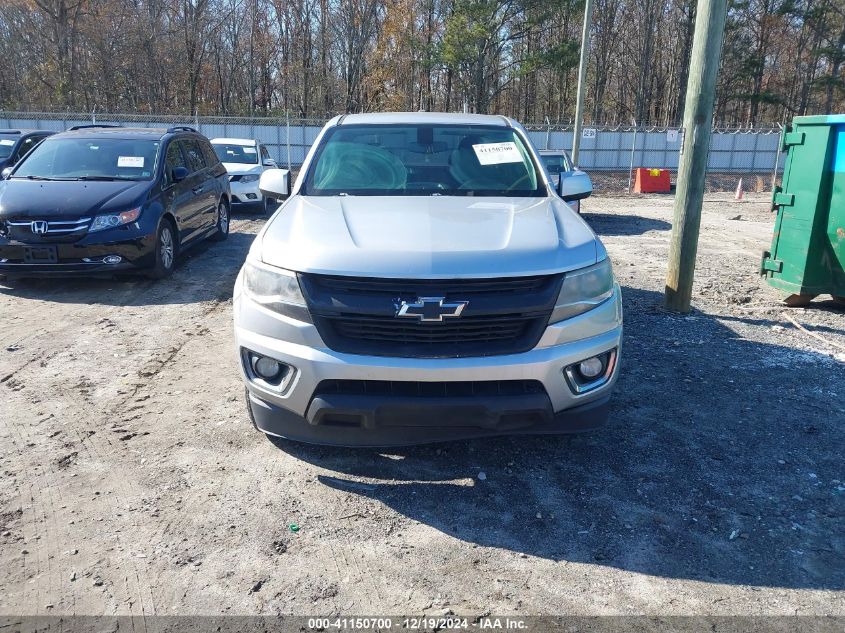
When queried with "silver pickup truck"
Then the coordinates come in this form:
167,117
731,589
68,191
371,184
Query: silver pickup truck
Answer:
425,282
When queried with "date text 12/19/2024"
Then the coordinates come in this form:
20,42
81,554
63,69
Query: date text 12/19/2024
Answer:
422,623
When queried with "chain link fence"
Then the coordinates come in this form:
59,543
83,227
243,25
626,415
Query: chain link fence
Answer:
609,153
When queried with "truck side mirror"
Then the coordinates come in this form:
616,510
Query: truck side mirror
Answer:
274,183
575,185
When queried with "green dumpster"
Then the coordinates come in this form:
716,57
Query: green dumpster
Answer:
807,256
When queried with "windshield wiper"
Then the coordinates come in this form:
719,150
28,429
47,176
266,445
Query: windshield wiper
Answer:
102,178
52,179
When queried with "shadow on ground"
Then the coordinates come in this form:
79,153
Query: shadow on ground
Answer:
608,224
204,272
720,464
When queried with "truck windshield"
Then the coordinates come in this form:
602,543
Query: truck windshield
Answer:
90,159
423,160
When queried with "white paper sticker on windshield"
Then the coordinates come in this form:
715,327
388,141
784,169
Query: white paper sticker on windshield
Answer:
6,141
249,150
497,153
130,161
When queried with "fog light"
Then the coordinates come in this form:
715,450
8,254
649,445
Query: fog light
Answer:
591,373
591,367
112,259
267,368
266,372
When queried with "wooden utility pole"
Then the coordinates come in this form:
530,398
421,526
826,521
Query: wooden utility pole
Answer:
582,80
698,121
253,10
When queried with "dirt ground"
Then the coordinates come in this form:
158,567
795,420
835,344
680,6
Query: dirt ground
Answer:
132,482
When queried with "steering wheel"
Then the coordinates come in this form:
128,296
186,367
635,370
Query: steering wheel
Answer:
519,182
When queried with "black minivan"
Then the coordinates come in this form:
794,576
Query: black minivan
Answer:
107,199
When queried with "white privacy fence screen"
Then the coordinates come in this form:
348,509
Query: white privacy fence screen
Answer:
606,148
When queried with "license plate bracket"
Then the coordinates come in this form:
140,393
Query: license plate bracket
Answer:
40,255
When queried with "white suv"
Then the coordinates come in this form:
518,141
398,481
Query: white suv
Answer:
245,160
425,282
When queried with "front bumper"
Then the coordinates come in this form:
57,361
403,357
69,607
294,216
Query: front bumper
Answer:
85,257
245,194
296,413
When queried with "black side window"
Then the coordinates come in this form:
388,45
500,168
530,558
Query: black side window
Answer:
211,158
265,155
26,145
193,153
172,159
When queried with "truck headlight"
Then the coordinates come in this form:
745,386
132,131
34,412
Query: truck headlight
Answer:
102,222
274,288
583,290
249,178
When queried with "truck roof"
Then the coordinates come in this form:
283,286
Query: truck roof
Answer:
387,118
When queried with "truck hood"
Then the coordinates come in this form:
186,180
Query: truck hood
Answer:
427,237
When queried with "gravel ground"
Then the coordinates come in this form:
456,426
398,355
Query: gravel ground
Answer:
133,483
616,182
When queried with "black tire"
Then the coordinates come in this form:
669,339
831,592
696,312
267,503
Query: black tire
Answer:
221,232
167,248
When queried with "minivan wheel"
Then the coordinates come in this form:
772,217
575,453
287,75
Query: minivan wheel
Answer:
222,231
166,248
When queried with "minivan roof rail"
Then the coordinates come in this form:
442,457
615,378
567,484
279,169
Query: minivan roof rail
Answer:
91,125
182,128
2,131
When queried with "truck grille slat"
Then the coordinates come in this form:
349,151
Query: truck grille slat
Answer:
429,389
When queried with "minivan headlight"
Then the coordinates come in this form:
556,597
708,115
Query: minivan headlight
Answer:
274,288
102,222
583,290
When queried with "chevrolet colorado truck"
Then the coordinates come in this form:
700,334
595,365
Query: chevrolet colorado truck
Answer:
425,282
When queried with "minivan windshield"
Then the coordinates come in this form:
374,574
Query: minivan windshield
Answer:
7,144
423,160
90,159
230,153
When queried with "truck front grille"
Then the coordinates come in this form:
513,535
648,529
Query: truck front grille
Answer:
359,315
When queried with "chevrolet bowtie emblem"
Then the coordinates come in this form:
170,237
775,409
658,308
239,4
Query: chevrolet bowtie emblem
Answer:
431,309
